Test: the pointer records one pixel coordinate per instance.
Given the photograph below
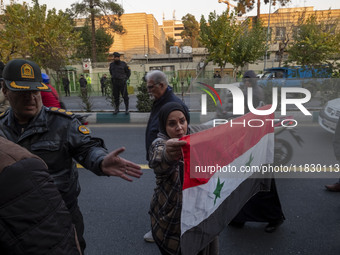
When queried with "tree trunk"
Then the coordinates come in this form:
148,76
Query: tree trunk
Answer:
258,9
93,34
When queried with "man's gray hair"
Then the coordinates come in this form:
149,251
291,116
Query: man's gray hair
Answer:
157,77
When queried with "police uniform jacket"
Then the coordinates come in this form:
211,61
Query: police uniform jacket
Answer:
120,70
57,137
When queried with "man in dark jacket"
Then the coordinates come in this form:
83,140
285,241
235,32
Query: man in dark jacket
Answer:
33,217
56,136
120,73
103,84
83,86
66,84
158,87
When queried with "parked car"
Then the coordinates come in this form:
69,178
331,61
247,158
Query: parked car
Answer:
295,76
329,115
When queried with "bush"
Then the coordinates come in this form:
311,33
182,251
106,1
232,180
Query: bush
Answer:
144,102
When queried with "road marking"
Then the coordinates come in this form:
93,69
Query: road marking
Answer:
141,165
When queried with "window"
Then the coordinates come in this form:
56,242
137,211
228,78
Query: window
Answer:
280,33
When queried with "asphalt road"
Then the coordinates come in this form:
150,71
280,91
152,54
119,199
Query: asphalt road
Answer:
116,218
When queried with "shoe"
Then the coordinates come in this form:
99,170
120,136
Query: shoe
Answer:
272,226
148,237
236,224
116,111
333,187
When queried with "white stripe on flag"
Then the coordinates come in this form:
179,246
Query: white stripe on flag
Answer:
198,201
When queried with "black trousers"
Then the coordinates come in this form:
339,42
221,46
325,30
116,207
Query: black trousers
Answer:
78,221
67,90
120,88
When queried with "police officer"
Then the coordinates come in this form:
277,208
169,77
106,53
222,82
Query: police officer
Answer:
56,136
120,73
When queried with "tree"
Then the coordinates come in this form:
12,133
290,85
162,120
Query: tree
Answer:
170,41
103,44
315,43
190,34
106,12
244,6
249,46
218,35
45,36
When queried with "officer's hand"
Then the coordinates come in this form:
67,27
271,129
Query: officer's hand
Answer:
113,165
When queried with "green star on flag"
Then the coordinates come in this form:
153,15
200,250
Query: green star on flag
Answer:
250,160
218,189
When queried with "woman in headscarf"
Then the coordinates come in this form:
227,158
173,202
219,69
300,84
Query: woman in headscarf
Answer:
166,160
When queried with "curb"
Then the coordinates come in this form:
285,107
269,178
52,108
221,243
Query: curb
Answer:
195,117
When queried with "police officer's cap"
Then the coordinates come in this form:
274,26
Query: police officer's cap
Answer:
23,75
116,54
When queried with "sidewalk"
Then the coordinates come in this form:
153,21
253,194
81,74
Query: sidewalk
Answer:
102,111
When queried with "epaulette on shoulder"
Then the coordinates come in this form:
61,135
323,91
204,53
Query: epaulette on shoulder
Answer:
63,112
3,114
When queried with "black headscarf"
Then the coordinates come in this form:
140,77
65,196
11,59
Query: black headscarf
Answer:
166,110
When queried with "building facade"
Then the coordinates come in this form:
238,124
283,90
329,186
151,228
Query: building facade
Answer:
285,21
173,28
143,36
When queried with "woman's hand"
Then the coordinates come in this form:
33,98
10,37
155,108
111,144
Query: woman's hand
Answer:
173,149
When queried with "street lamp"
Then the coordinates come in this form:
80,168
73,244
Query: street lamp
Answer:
265,57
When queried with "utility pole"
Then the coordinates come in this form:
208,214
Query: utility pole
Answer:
268,29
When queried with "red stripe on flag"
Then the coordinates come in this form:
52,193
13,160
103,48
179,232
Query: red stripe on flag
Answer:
222,145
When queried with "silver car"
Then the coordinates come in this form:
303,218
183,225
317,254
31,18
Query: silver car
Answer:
329,115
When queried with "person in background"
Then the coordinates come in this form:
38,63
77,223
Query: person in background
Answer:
88,80
34,219
4,104
159,89
264,206
103,84
83,86
49,98
217,74
57,137
336,147
120,73
66,84
250,80
166,160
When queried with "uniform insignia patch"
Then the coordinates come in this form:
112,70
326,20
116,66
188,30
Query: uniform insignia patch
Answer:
27,71
84,130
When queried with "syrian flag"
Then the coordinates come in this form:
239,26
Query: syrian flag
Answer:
220,175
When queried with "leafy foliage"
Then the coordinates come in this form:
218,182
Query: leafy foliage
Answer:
249,46
315,43
144,102
170,41
45,36
190,33
244,6
229,42
218,35
107,14
103,44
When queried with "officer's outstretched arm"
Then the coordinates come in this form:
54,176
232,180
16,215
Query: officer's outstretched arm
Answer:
113,165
